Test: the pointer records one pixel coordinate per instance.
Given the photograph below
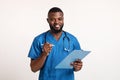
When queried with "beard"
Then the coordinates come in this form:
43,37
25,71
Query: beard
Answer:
54,30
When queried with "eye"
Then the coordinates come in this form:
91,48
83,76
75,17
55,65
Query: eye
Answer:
52,19
60,19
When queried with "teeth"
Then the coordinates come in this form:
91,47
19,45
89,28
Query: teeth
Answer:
57,26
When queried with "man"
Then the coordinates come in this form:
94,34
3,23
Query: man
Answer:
51,47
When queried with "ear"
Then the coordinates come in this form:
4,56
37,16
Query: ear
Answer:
47,20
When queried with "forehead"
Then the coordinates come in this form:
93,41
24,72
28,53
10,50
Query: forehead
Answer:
55,14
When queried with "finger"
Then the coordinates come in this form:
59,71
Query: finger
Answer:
50,45
78,60
73,64
46,46
77,64
77,68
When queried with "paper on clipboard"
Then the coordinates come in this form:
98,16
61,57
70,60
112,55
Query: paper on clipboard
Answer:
76,54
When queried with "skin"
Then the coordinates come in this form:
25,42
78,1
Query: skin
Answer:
56,21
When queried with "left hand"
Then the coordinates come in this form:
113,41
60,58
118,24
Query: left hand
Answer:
77,65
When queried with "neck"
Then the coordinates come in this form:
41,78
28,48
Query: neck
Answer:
56,35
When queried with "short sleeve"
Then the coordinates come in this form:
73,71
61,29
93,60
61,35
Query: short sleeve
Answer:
35,49
76,44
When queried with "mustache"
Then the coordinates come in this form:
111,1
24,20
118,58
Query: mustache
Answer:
54,30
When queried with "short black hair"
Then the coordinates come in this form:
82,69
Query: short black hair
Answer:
55,9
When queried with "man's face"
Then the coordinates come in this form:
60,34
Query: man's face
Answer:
56,21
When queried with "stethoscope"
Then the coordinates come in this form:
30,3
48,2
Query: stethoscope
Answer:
65,48
65,37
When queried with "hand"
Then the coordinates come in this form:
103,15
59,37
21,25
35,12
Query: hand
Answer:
77,65
47,48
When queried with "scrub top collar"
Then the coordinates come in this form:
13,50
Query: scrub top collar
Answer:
50,37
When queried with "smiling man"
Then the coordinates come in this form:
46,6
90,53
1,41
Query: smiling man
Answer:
51,47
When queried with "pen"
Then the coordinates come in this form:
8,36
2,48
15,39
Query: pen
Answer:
43,44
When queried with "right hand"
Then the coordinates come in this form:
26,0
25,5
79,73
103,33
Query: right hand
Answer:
47,47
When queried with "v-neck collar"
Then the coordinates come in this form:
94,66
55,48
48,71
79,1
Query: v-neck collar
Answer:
52,38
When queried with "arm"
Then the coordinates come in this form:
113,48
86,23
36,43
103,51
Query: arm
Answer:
37,64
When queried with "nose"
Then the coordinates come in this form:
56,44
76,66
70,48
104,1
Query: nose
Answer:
56,21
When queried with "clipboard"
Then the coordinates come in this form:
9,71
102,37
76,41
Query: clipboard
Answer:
74,55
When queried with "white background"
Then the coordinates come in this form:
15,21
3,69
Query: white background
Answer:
96,24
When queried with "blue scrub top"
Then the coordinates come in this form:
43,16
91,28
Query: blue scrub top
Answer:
57,54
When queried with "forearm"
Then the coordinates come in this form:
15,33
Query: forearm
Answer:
38,63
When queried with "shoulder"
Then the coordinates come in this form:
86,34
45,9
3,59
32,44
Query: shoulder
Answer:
70,35
73,40
40,36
